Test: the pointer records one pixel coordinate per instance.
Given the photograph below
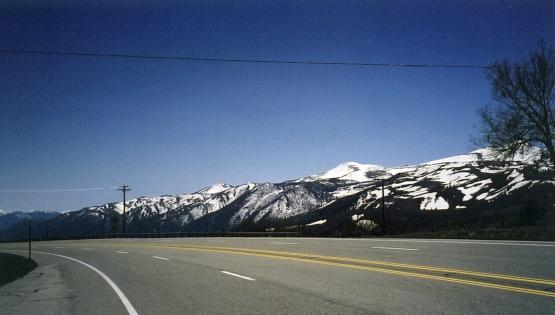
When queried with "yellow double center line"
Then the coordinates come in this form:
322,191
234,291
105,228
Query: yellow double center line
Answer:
417,271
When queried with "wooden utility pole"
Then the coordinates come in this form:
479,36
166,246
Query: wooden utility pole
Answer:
159,223
29,240
383,208
124,189
432,214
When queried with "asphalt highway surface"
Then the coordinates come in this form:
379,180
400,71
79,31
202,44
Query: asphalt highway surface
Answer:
283,276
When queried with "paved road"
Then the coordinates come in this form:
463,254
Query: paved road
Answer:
285,276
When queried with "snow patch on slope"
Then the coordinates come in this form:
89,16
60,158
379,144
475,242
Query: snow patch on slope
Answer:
488,154
317,222
433,203
348,171
214,189
473,188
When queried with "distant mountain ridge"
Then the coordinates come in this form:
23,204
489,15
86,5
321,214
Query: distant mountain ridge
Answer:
8,219
350,192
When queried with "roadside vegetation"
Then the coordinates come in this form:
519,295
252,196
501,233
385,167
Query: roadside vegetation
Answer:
13,267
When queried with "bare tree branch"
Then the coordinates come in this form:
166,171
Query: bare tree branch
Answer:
524,113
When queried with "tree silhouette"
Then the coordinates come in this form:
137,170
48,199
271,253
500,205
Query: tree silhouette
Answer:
523,114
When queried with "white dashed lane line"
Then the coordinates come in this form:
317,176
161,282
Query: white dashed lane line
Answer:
122,252
236,275
394,248
162,258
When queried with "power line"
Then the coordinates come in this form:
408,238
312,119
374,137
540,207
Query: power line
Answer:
270,61
51,190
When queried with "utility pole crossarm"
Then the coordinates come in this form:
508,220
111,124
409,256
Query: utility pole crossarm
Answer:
124,189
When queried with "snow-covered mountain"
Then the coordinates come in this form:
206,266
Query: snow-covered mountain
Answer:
475,176
530,154
351,190
348,171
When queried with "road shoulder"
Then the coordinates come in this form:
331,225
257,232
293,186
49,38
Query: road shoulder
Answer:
42,291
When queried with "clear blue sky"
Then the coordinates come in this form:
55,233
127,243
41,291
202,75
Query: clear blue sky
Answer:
166,127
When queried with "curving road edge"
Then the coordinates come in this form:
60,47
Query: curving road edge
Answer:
128,306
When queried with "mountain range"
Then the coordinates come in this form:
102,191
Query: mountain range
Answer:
8,219
475,188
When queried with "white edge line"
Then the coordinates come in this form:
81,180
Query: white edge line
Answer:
283,243
397,248
443,241
130,309
465,242
236,275
158,257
